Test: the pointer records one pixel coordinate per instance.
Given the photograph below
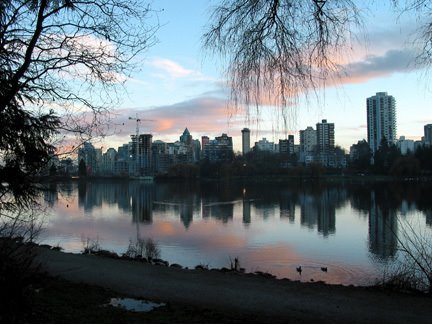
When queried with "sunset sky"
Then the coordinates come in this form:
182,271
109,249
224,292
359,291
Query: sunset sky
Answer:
180,86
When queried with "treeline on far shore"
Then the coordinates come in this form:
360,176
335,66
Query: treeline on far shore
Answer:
273,168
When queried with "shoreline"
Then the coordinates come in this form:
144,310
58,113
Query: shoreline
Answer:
234,291
311,273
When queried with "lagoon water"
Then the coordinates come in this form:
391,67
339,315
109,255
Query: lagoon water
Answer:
351,229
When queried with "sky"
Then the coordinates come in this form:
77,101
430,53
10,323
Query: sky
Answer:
180,86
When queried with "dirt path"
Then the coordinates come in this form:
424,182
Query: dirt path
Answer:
237,292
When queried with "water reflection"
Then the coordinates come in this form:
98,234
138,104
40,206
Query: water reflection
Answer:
335,212
382,229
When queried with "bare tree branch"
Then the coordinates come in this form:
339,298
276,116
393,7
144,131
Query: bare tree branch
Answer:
280,48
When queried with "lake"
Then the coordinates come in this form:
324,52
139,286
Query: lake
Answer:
352,229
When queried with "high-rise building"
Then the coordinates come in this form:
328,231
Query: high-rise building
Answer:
286,146
187,150
219,149
325,143
245,140
325,136
308,139
428,134
186,138
108,161
145,144
204,142
141,154
263,145
381,119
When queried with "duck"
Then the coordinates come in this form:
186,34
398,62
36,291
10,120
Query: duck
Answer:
324,269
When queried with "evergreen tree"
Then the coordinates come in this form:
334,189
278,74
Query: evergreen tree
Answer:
82,169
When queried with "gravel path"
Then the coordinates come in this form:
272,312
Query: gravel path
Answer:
281,299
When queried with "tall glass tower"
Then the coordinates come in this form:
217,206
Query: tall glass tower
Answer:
381,119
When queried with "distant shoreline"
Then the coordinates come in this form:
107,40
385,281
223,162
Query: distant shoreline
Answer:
261,178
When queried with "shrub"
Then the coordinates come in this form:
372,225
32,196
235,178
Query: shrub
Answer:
90,246
142,248
413,271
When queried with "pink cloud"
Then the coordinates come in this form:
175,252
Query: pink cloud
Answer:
364,69
377,66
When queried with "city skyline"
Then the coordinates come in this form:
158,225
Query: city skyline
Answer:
179,86
239,148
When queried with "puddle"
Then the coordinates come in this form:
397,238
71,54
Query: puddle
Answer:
134,305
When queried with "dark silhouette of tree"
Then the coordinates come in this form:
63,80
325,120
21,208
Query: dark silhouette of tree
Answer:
61,65
385,156
405,166
82,168
362,157
424,155
52,170
184,171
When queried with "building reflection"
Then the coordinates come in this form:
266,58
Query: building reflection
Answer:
90,196
383,230
246,205
222,211
186,214
142,197
287,203
319,211
287,210
51,194
318,203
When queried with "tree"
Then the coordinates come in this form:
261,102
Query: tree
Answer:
362,156
277,49
82,168
424,155
61,65
406,166
385,156
52,170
